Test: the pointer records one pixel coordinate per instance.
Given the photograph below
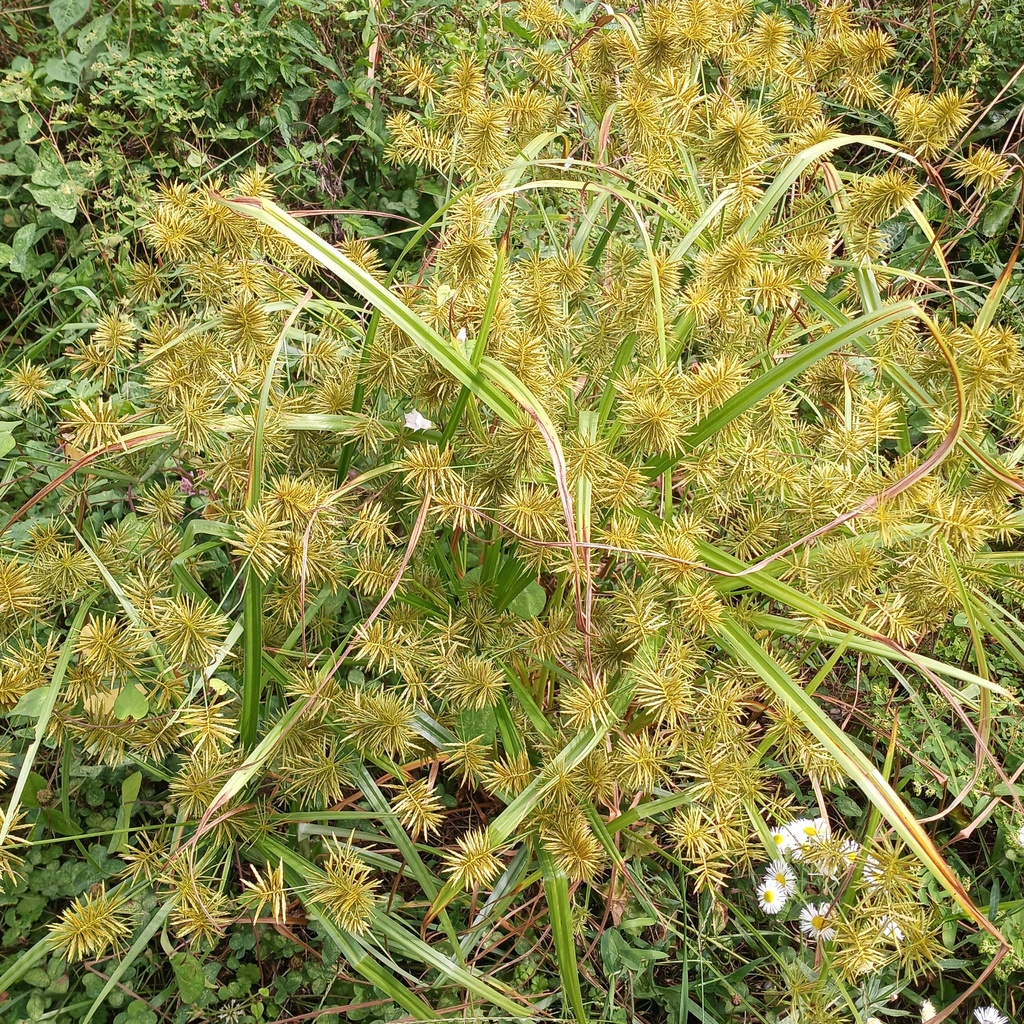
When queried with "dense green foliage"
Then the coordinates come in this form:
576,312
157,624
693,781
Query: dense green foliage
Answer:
102,100
552,581
966,43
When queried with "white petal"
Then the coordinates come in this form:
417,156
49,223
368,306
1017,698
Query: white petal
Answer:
989,1015
415,420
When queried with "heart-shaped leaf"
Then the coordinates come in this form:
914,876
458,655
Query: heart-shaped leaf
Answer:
131,703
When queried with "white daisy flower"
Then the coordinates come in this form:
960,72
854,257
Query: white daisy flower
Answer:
783,841
872,869
814,922
782,875
771,897
927,1010
415,420
989,1015
891,930
807,831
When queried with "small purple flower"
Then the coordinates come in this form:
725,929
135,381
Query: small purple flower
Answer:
189,480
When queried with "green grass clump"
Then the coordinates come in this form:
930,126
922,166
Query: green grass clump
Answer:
556,594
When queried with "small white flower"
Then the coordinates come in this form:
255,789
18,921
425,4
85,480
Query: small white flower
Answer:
462,336
814,922
850,851
1019,837
891,930
783,841
771,897
872,869
928,1010
806,831
782,875
989,1015
415,420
